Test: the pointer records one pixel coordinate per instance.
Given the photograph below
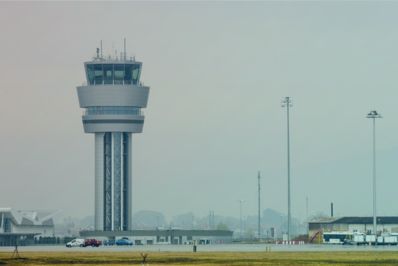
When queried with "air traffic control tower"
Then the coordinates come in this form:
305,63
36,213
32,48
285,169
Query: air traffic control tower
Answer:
113,98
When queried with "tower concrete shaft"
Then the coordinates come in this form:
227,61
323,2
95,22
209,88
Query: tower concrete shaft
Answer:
113,98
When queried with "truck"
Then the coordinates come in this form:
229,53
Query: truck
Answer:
388,240
370,239
359,239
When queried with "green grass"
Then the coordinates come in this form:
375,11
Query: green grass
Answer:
203,258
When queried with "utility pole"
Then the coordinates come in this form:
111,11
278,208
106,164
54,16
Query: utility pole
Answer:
306,213
210,221
373,115
306,208
259,207
286,102
240,218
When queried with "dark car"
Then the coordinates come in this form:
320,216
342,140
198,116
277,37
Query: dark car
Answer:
124,242
109,242
92,242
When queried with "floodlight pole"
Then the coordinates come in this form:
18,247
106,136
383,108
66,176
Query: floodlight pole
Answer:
286,102
373,115
240,217
259,207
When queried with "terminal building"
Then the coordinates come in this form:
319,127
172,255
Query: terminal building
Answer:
24,225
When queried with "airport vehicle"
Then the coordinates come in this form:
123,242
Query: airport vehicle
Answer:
109,242
387,240
370,239
336,237
355,239
92,242
124,241
77,242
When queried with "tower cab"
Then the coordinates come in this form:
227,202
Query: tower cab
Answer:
117,72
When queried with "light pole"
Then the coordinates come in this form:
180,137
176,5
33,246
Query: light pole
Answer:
373,115
286,102
306,213
259,207
240,217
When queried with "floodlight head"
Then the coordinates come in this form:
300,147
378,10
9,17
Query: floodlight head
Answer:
287,101
373,114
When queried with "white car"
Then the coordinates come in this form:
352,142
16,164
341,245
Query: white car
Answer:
77,242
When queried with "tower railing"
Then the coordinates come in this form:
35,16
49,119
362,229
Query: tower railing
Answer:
114,111
103,83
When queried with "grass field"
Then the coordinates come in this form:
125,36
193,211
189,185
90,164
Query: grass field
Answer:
203,258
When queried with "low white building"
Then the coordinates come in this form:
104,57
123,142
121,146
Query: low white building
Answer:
24,224
351,224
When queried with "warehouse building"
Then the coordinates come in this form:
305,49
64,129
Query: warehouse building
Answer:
352,224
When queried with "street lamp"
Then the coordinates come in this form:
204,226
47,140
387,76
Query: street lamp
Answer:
373,115
287,102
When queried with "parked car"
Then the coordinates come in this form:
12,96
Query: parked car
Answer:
124,241
77,242
109,242
92,242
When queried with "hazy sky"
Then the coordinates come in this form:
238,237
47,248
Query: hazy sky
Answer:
217,73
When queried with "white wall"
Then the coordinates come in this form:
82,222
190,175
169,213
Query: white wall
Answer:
42,230
363,228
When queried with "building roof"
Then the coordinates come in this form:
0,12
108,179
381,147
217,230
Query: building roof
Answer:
358,220
29,218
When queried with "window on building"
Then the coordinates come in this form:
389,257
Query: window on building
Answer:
119,73
90,74
108,73
98,77
98,74
7,225
136,73
128,74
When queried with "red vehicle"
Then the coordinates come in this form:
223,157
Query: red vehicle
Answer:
92,242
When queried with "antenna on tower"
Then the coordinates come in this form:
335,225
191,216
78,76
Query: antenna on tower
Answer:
124,55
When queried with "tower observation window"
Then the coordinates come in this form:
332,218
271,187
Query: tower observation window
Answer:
98,74
90,74
108,74
136,73
128,73
132,74
119,74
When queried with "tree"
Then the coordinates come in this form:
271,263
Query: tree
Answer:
222,226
